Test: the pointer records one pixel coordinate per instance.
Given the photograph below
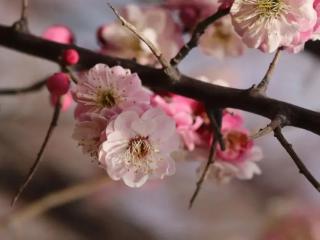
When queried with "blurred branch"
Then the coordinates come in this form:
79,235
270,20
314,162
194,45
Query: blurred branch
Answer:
217,96
33,87
53,200
35,165
198,31
302,168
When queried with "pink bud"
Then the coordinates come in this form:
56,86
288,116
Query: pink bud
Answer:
100,37
70,56
226,4
58,84
189,16
59,33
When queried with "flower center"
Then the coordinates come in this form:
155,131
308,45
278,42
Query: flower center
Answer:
221,34
269,8
106,98
138,153
237,140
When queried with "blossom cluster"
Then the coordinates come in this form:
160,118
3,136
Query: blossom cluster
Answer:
263,24
117,126
237,160
136,134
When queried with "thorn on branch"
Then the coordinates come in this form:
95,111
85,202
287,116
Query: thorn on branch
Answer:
279,121
168,69
261,88
215,119
22,24
198,31
15,91
35,165
300,165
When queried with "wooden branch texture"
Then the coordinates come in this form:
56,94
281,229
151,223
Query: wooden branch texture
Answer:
157,79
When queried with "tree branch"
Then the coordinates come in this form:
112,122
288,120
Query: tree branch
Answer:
261,88
302,168
217,96
204,173
33,87
35,165
197,32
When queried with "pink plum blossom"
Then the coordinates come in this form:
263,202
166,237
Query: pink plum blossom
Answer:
181,109
223,171
90,133
109,89
269,24
140,146
154,23
220,40
240,157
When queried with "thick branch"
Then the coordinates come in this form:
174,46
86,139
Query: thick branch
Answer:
217,96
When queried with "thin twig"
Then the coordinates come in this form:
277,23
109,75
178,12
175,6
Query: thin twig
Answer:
302,168
214,114
22,24
215,120
14,91
275,123
204,172
35,165
198,31
171,71
261,88
53,200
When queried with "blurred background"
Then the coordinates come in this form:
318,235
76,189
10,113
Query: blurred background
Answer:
244,210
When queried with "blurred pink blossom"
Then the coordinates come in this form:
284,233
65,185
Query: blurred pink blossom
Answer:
193,11
154,23
220,40
59,33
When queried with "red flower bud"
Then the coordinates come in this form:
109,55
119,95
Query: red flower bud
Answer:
70,56
58,84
